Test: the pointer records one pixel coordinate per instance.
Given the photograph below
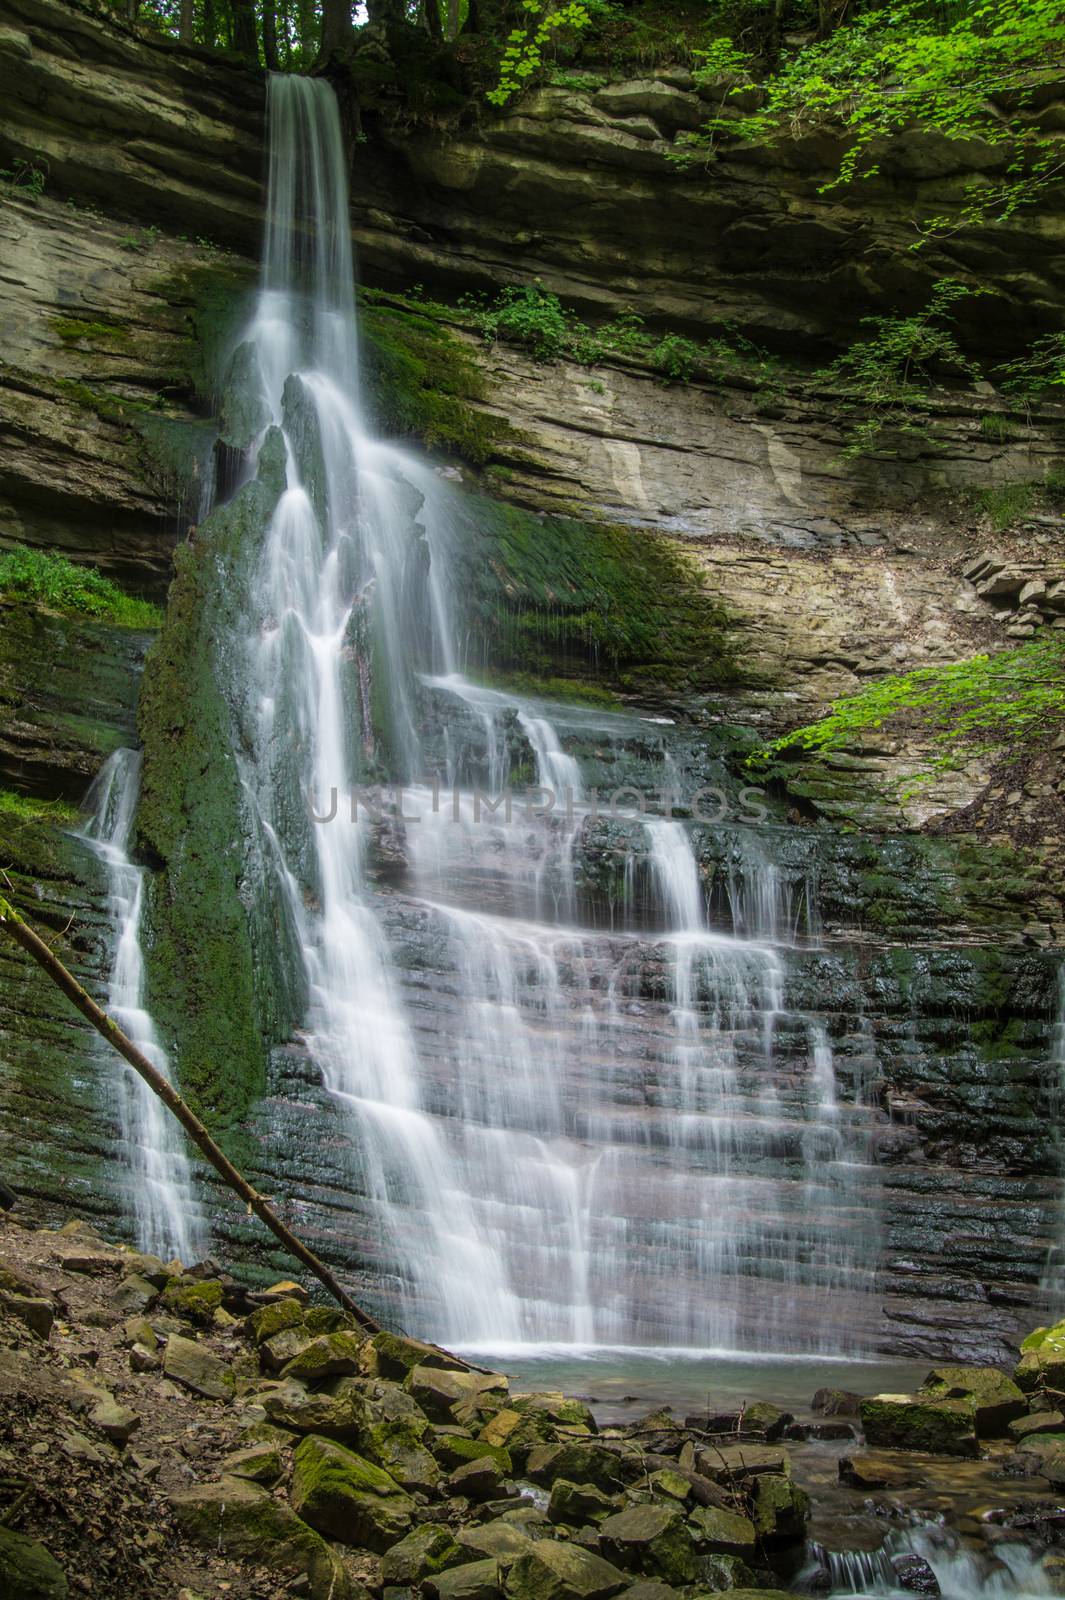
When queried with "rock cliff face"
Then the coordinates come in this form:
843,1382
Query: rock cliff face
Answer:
123,281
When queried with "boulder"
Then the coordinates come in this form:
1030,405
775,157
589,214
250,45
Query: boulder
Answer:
440,1391
197,1368
1042,1363
428,1550
650,1539
498,1429
722,1532
916,1422
835,1403
554,1571
765,1421
196,1300
580,1463
261,1463
1037,1422
996,1400
346,1497
673,1484
33,1311
475,1580
781,1509
873,1472
296,1408
477,1480
116,1422
914,1576
578,1503
272,1319
333,1355
502,1541
28,1571
279,1349
240,1520
451,1449
740,1461
392,1355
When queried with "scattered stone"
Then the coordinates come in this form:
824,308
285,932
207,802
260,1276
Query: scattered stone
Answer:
334,1355
915,1422
556,1571
674,1484
650,1539
477,1480
577,1503
739,1461
133,1296
274,1318
348,1498
138,1330
440,1390
428,1550
914,1575
765,1421
475,1580
835,1403
197,1368
276,1352
37,1314
28,1571
239,1519
452,1449
873,1472
781,1509
195,1301
502,1541
994,1399
142,1359
723,1532
116,1422
292,1406
261,1463
1038,1422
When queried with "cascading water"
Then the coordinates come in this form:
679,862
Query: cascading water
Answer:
571,1135
169,1222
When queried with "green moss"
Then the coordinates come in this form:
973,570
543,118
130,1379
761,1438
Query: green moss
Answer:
568,689
424,383
196,1302
52,581
214,300
557,598
72,330
220,975
24,808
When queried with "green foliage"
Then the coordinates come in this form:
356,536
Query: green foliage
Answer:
72,330
27,808
1007,503
531,316
888,374
999,427
965,73
29,174
523,55
59,585
1043,368
981,705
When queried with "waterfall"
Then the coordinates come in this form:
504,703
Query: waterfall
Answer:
169,1222
564,1133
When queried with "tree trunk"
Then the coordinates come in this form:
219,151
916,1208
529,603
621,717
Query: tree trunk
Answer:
337,34
432,20
23,934
245,33
185,22
270,56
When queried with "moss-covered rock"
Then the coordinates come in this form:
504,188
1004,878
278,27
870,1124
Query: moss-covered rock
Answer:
720,1531
240,1520
428,1549
195,1300
452,1449
333,1355
348,1498
911,1422
28,1571
781,1509
555,1571
579,1503
269,1320
995,1399
650,1539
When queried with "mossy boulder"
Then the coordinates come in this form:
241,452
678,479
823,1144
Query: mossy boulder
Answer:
995,1399
913,1422
346,1497
28,1571
452,1449
474,1580
578,1503
197,1368
717,1530
1042,1363
272,1319
260,1463
193,1299
239,1520
780,1510
442,1392
333,1355
297,1408
393,1355
555,1571
650,1539
580,1463
428,1549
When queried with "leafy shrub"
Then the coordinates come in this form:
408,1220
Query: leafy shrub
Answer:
972,706
1007,503
58,584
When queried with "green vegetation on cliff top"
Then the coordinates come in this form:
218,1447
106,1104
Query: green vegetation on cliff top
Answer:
59,585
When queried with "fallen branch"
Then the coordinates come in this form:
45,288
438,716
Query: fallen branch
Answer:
19,930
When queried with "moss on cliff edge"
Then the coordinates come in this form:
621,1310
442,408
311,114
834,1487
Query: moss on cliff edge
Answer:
216,980
556,597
